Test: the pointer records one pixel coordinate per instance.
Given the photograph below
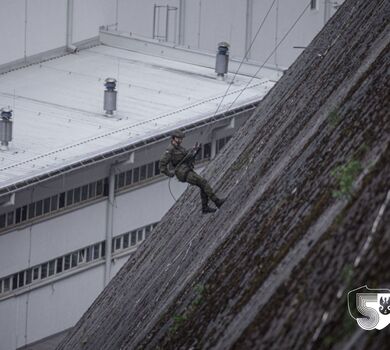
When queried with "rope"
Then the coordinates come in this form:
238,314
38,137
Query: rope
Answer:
254,75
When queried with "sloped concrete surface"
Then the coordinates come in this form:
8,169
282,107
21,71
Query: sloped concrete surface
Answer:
271,269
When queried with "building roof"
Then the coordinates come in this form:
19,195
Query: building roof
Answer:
58,106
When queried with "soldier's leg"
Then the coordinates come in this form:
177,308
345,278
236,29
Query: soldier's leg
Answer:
206,191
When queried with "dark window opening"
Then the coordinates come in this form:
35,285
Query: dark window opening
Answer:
38,208
67,262
52,265
18,213
2,220
69,198
121,180
157,167
148,229
89,254
129,177
92,190
6,285
74,259
77,195
105,191
103,249
150,170
118,243
24,213
54,202
84,192
61,201
99,188
10,218
29,276
126,241
46,205
81,255
36,273
142,173
139,235
43,271
59,265
207,150
136,175
133,238
31,210
21,279
96,251
14,282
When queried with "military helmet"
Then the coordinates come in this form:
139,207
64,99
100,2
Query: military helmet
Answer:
179,134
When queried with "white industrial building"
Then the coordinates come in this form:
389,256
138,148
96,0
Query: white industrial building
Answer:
80,186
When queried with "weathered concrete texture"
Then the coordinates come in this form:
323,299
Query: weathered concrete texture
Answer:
264,272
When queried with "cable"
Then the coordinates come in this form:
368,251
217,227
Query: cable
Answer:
270,55
246,54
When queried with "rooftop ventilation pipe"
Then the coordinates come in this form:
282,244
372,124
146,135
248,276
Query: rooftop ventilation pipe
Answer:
222,60
5,127
110,96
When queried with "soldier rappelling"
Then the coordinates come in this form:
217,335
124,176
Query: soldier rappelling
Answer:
183,162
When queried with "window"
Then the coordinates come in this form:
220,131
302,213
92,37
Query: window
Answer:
92,190
69,198
28,276
14,281
24,213
96,251
105,187
54,203
121,180
18,212
118,242
148,229
2,220
126,241
142,173
139,232
6,285
59,265
134,238
99,188
67,262
150,170
199,154
103,254
77,195
313,5
81,255
10,218
84,192
61,200
136,175
89,254
207,150
129,175
21,279
52,265
46,205
31,210
43,271
74,259
38,208
36,273
157,167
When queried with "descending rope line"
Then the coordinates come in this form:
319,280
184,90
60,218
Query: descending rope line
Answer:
270,55
245,56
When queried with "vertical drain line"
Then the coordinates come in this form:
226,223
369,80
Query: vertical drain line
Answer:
117,15
276,33
25,31
29,265
200,16
109,224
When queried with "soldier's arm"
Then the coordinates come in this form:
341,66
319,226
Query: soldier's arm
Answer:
164,161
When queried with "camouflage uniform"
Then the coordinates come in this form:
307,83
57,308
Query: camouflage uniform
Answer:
184,171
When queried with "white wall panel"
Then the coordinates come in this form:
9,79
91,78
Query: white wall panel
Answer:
46,25
8,326
89,15
11,30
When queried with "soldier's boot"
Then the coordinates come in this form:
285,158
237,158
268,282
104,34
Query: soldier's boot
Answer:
205,200
219,201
